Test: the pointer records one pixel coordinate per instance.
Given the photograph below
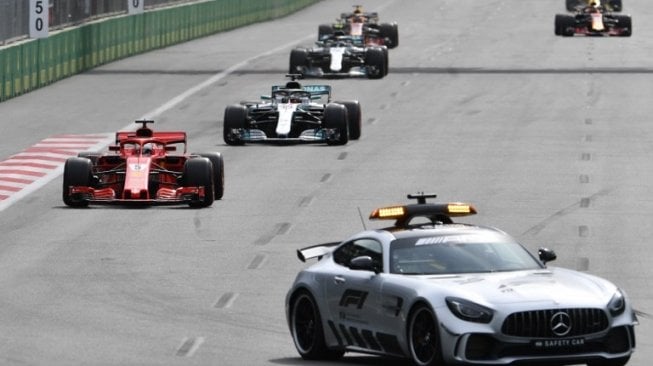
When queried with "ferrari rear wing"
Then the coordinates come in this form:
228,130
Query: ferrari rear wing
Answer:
316,251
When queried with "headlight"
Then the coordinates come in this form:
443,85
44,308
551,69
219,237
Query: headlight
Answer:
617,304
469,311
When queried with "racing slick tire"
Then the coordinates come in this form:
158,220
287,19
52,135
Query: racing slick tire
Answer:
324,30
353,118
198,172
615,5
423,336
558,24
335,117
306,329
375,59
235,118
92,156
625,23
573,4
298,58
76,172
616,362
565,25
218,173
390,31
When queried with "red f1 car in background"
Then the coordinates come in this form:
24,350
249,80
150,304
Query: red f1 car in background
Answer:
139,169
593,20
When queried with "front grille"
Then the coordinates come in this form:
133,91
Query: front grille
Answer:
538,324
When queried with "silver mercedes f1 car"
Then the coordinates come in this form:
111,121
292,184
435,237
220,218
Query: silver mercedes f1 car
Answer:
439,292
293,113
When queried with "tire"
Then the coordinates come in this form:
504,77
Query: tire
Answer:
307,331
573,4
324,30
218,173
76,172
390,32
424,337
335,117
298,58
235,117
353,118
625,22
567,25
616,5
558,24
198,172
376,62
91,155
616,362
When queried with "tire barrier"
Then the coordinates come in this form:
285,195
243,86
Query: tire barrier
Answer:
31,64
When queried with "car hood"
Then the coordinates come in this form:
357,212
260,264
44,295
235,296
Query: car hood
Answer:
555,286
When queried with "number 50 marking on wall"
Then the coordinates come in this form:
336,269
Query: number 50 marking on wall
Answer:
38,18
135,6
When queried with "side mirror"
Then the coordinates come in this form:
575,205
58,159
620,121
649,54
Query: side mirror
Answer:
266,97
363,263
546,255
171,148
114,148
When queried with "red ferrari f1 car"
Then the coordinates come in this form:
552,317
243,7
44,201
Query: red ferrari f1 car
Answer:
140,169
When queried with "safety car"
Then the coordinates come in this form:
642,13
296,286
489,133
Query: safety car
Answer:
293,113
364,26
340,55
593,20
440,292
141,168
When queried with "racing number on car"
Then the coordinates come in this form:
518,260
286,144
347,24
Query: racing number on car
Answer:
353,297
38,19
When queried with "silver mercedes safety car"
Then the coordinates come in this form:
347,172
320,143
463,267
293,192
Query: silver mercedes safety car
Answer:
440,292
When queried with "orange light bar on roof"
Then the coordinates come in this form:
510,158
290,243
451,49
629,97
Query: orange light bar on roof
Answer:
458,208
385,213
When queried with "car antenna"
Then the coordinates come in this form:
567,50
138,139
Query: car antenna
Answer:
361,216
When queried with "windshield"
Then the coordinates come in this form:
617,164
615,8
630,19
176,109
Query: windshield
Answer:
459,253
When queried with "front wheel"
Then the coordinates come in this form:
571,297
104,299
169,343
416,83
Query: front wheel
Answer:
306,329
353,118
376,62
335,119
198,172
218,173
235,119
424,337
77,172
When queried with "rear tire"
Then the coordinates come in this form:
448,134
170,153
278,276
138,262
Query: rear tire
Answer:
376,63
573,4
424,337
235,118
76,172
324,30
616,5
218,173
335,117
353,118
298,58
198,172
390,31
307,331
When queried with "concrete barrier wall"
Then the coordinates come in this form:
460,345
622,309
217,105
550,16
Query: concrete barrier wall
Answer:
35,63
